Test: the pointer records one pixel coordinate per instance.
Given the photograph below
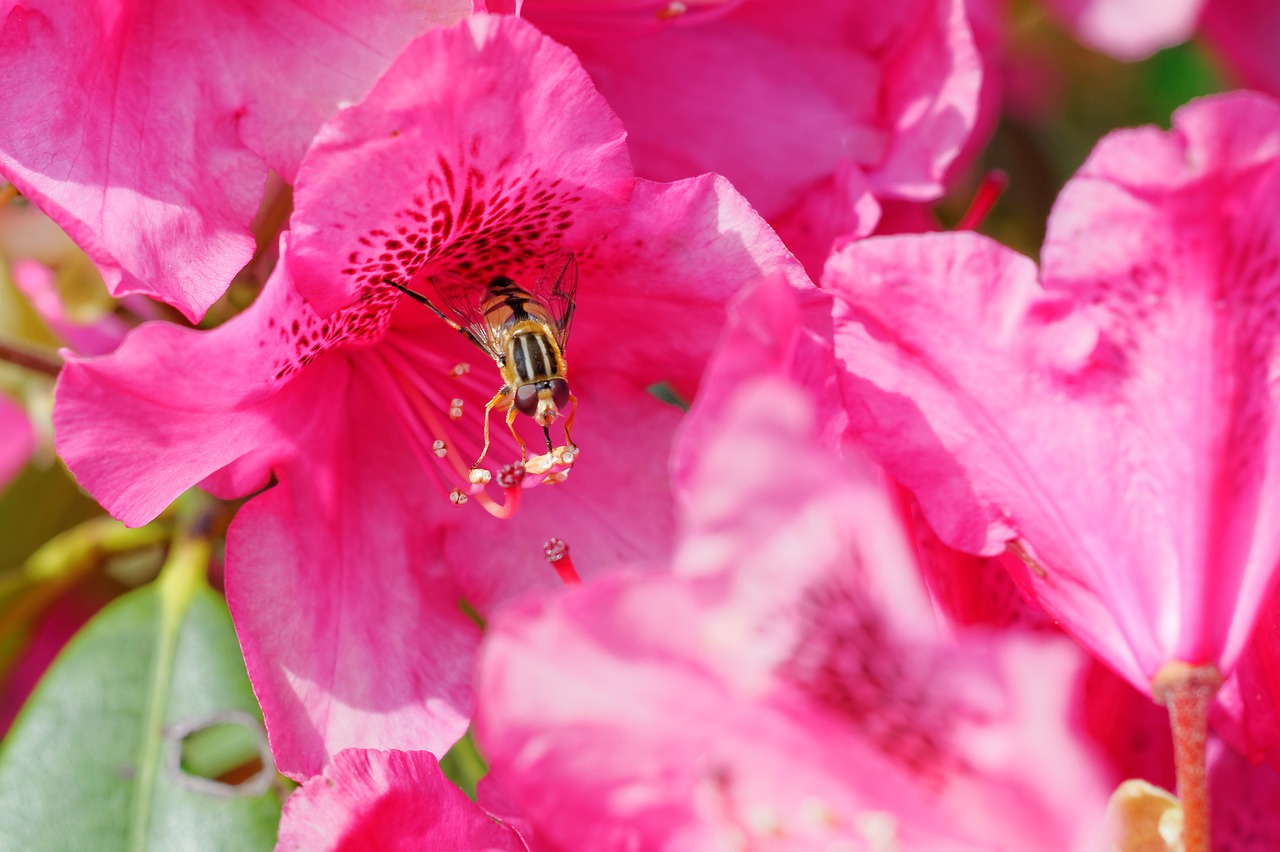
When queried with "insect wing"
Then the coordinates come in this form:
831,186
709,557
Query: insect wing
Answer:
464,300
556,289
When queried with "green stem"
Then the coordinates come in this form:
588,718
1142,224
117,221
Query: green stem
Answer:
183,574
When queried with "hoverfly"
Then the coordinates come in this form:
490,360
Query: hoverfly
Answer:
524,332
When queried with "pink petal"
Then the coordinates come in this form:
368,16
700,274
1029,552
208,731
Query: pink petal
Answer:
177,406
1247,714
774,329
1130,729
1244,34
1244,796
149,141
532,162
36,281
764,95
348,619
1101,421
387,800
682,252
834,211
677,712
1128,29
17,440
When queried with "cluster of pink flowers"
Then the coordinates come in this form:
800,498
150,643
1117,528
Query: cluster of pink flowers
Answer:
940,527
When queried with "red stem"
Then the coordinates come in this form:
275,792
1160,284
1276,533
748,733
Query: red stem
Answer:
989,191
31,360
1188,691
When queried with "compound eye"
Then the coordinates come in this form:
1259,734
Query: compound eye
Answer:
527,399
560,393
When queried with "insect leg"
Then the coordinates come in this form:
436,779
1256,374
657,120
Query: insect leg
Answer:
546,433
497,397
511,424
569,420
418,297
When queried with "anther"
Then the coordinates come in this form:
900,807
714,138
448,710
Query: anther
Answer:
440,449
479,476
455,408
673,10
460,369
557,553
457,496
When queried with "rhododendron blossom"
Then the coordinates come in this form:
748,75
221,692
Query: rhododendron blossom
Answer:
130,126
813,116
345,577
388,800
786,688
16,439
1128,29
1115,421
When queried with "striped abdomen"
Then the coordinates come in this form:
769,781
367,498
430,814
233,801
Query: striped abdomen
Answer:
534,356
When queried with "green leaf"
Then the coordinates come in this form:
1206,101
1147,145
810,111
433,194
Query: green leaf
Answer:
94,760
464,766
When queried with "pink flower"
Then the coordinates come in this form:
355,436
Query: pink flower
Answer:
93,337
1247,714
149,140
1112,424
1244,34
387,800
1129,29
1244,797
815,116
786,688
483,150
17,440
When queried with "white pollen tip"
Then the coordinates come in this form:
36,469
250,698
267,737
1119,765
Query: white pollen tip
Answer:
479,476
440,449
457,497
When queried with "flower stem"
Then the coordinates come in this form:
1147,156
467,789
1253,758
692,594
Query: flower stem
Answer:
1187,691
989,191
31,360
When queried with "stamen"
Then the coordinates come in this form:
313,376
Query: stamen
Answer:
673,10
993,185
455,408
460,369
440,448
509,478
557,553
457,497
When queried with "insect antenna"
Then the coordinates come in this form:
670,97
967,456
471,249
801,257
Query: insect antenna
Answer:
418,297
